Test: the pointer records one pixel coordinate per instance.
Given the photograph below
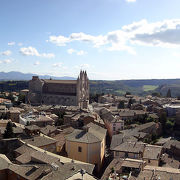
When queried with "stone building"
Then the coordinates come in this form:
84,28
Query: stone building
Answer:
87,145
59,92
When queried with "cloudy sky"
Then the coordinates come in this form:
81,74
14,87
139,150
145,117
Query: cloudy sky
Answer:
111,39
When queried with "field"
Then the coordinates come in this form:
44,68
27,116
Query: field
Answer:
149,87
120,92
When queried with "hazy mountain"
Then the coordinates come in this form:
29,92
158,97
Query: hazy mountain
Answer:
13,75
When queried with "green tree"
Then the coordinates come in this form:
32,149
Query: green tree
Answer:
9,130
10,97
156,94
60,120
127,93
168,93
121,105
130,103
169,126
162,120
21,98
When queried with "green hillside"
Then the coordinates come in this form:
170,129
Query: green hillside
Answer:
119,87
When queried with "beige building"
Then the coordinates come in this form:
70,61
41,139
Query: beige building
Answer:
133,150
14,115
87,145
152,155
59,92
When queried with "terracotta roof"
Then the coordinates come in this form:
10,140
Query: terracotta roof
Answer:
94,133
67,170
43,157
28,172
82,136
60,81
132,163
134,147
40,141
23,149
48,129
24,158
119,139
152,172
116,164
152,152
32,127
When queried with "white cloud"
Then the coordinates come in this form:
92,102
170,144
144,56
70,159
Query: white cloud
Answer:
11,43
58,40
70,51
82,66
31,51
6,61
130,0
62,41
57,65
79,53
20,44
6,53
164,34
36,63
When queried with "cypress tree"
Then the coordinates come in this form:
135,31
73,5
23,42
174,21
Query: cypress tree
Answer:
9,130
168,93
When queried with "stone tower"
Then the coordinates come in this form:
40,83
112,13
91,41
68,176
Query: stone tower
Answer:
83,90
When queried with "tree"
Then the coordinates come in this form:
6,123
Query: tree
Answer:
162,120
156,94
127,93
168,93
178,97
9,130
21,98
10,97
60,120
130,103
121,105
169,126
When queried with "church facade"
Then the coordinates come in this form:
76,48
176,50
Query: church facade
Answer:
59,92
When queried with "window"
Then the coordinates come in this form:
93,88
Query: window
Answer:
149,161
114,128
126,154
79,149
116,153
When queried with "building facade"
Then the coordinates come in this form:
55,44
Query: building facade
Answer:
87,145
59,92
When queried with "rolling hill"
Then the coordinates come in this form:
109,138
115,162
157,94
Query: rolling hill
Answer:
15,81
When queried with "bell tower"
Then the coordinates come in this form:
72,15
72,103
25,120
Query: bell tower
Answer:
83,90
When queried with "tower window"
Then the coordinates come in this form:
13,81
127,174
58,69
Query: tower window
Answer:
79,149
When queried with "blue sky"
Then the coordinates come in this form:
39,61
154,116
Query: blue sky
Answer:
111,39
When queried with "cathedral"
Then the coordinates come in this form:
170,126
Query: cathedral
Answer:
60,92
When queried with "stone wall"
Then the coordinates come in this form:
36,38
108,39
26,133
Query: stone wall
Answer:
59,88
50,99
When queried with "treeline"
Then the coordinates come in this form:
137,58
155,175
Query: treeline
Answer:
11,86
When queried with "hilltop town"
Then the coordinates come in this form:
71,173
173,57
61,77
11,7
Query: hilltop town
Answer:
56,130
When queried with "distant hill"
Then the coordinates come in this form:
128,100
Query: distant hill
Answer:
17,76
15,81
138,87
